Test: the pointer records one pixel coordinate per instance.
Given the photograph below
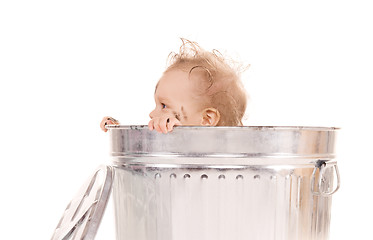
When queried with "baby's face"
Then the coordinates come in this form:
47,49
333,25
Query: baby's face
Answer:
175,93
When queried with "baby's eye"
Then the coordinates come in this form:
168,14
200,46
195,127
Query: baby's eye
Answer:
163,105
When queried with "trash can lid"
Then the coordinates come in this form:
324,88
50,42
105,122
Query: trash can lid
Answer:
83,214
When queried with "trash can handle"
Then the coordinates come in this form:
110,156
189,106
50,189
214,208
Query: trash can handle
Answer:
323,165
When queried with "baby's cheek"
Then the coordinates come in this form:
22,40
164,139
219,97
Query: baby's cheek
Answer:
177,115
184,115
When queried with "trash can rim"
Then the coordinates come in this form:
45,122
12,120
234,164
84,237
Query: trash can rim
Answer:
310,128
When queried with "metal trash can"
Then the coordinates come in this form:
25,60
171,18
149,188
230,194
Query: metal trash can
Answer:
223,182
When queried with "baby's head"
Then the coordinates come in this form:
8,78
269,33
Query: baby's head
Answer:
200,88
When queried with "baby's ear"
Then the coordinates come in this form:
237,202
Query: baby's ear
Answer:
210,117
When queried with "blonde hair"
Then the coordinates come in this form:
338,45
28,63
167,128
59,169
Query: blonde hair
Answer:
220,83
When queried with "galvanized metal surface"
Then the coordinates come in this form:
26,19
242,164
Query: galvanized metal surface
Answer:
83,214
223,183
138,141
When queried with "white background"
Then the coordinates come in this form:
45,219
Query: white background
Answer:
66,64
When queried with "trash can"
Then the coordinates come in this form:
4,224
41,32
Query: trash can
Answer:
211,183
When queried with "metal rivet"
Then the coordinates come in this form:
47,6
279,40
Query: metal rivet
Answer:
173,175
187,176
239,177
221,176
204,176
257,177
157,175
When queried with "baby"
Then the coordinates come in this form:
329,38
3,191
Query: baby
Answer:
198,88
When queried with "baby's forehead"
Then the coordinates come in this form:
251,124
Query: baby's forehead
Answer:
171,76
156,86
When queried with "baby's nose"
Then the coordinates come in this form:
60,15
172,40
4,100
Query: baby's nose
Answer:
151,114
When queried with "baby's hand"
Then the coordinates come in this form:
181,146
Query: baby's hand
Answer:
163,123
108,120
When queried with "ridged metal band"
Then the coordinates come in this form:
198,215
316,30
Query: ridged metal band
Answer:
129,142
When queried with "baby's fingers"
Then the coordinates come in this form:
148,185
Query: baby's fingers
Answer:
151,125
163,124
108,121
103,124
172,122
157,126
